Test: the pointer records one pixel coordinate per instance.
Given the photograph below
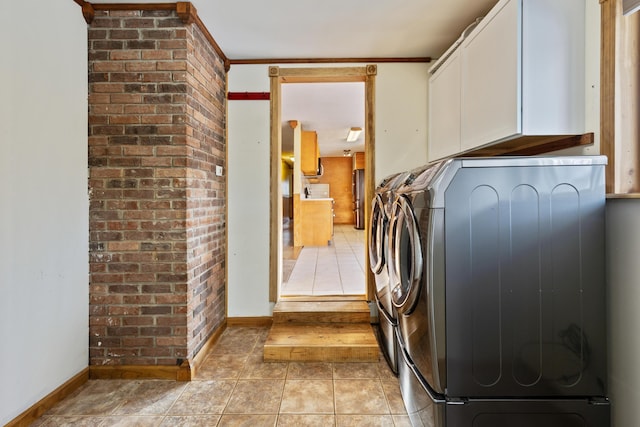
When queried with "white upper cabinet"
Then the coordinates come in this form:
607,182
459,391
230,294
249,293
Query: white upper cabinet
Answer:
491,78
522,73
444,109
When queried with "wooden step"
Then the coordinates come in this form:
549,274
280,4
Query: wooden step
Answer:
321,312
321,330
325,342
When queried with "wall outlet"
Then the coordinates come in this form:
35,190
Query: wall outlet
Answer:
218,170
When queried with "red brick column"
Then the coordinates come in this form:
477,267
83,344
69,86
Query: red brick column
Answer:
156,132
206,191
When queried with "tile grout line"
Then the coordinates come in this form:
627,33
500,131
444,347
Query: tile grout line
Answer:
337,260
344,240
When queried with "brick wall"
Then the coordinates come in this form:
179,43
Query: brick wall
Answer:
206,192
156,130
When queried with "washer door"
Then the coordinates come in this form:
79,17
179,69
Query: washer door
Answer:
378,230
406,269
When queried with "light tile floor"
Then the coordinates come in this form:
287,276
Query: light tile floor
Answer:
234,387
336,269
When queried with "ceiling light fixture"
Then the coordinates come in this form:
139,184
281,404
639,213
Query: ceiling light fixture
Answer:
353,134
346,153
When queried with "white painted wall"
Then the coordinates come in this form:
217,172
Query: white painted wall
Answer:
401,144
401,117
248,207
43,200
623,278
592,80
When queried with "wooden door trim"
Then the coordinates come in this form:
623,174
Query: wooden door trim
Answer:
278,76
608,89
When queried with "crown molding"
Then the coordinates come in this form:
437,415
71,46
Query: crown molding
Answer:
185,11
188,14
258,61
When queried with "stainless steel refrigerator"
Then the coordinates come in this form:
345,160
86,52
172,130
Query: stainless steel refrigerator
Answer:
357,189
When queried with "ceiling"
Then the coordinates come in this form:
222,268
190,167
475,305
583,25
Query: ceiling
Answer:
249,29
330,109
335,29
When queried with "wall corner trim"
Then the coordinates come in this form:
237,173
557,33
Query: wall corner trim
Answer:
189,15
88,12
198,359
187,12
372,70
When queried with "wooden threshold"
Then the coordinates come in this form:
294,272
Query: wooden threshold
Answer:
329,342
334,330
321,312
323,298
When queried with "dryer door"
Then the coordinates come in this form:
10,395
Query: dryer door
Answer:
377,237
405,270
378,255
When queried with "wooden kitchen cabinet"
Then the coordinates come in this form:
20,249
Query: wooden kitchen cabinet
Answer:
521,76
310,153
358,160
317,221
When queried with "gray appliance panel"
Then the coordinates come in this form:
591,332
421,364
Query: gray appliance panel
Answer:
422,323
525,281
387,338
378,250
424,408
439,183
378,253
528,413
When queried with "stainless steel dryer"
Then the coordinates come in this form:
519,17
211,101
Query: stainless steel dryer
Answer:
378,262
498,281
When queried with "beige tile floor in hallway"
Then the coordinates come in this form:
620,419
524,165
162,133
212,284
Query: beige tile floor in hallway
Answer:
234,387
336,269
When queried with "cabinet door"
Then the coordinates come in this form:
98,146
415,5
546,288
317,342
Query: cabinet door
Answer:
444,109
358,160
317,222
309,154
491,78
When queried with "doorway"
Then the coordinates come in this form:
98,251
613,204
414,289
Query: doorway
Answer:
324,113
280,76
